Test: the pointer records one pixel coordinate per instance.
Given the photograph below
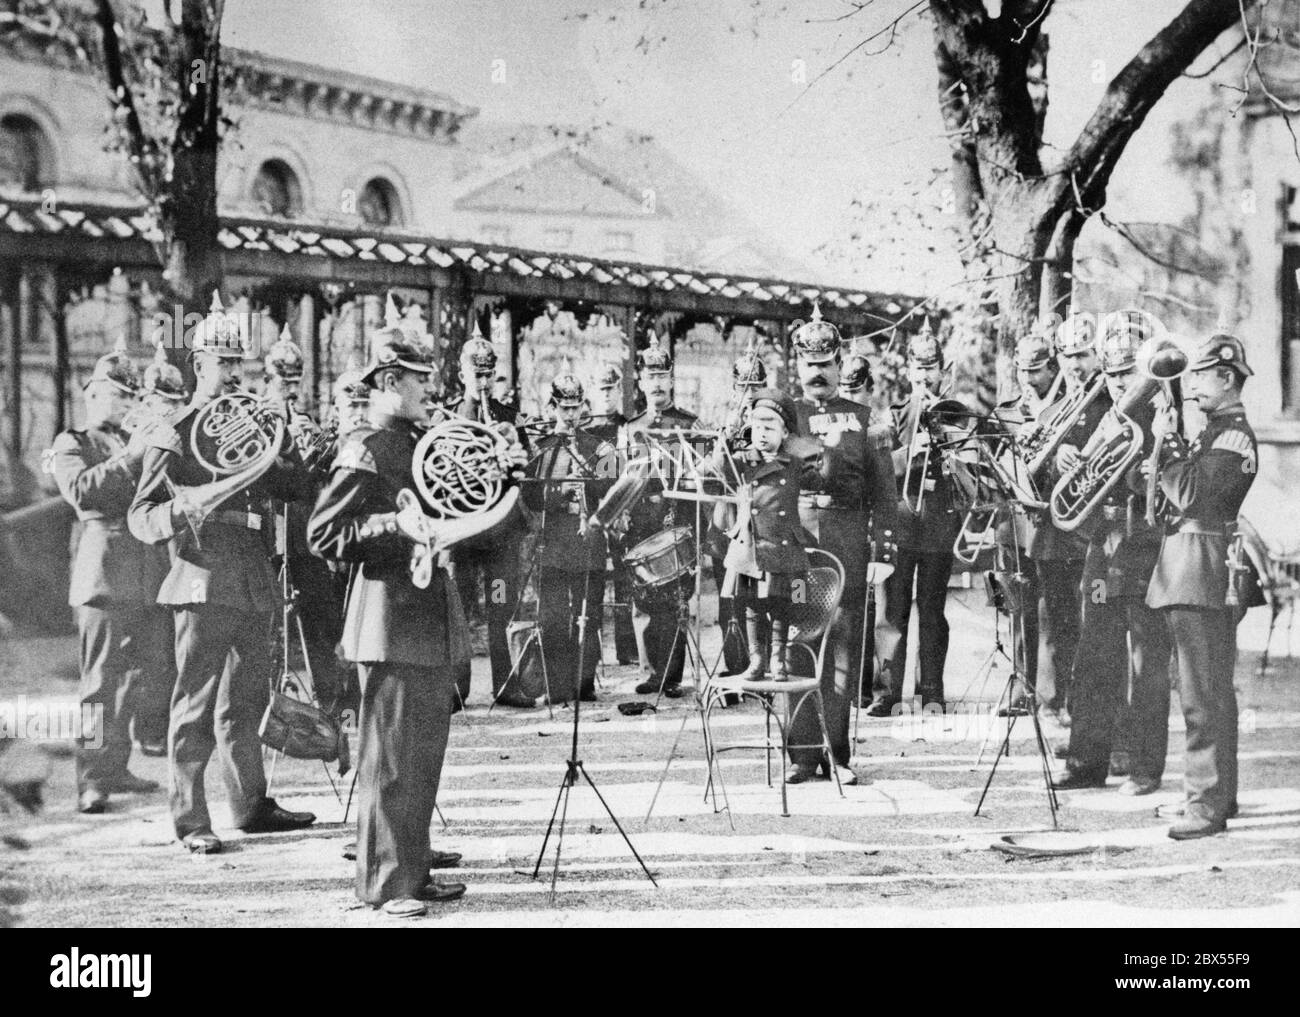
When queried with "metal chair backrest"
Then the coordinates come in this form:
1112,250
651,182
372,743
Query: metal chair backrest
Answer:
813,612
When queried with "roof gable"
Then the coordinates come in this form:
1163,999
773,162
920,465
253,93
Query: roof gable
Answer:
557,182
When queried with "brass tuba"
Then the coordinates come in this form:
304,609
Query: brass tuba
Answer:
460,470
1039,442
1117,443
236,438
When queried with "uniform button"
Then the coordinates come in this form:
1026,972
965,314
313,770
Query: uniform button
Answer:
781,513
753,512
783,482
784,543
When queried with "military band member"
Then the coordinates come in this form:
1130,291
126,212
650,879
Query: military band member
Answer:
409,643
1121,669
925,539
1206,485
748,376
125,652
162,393
222,592
496,560
654,513
568,483
310,582
607,421
848,502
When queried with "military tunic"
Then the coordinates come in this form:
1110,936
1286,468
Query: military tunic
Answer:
652,514
849,503
568,483
127,664
223,595
409,643
1206,485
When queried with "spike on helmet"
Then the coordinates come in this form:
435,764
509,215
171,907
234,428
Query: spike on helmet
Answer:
816,339
478,355
284,359
655,359
116,368
219,333
924,349
749,370
566,390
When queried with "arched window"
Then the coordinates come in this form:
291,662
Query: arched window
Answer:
379,205
24,153
276,190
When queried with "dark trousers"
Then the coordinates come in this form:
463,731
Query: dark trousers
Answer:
560,608
625,650
839,683
663,645
1205,648
322,627
731,619
499,567
1062,615
126,678
929,573
224,667
405,719
1104,707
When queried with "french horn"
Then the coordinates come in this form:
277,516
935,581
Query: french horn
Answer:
460,469
236,439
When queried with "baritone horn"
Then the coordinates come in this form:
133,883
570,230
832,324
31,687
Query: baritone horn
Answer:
1117,443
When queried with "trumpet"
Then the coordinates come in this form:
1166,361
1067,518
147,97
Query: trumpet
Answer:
1117,443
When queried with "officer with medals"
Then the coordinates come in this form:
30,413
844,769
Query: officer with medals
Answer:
653,513
409,643
496,560
607,423
223,596
1193,585
568,482
748,376
125,638
925,538
849,503
1123,642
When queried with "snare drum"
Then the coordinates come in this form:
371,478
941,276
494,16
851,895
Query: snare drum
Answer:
658,562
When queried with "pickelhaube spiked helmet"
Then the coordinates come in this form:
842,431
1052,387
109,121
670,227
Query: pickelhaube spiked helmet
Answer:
566,389
219,333
856,373
655,359
477,354
816,340
116,368
1076,334
924,349
749,370
163,378
1123,334
608,376
1033,351
284,358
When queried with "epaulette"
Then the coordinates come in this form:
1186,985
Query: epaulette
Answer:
356,454
1236,441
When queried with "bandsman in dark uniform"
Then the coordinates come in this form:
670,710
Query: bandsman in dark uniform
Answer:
607,422
654,513
1205,485
125,638
409,643
1121,668
925,538
309,580
849,503
496,560
567,484
223,596
748,376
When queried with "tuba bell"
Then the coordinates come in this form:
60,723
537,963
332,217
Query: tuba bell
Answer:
1117,443
236,438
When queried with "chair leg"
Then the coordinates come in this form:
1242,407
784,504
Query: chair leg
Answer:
785,754
826,741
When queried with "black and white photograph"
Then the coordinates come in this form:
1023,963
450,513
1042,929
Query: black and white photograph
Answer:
726,464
